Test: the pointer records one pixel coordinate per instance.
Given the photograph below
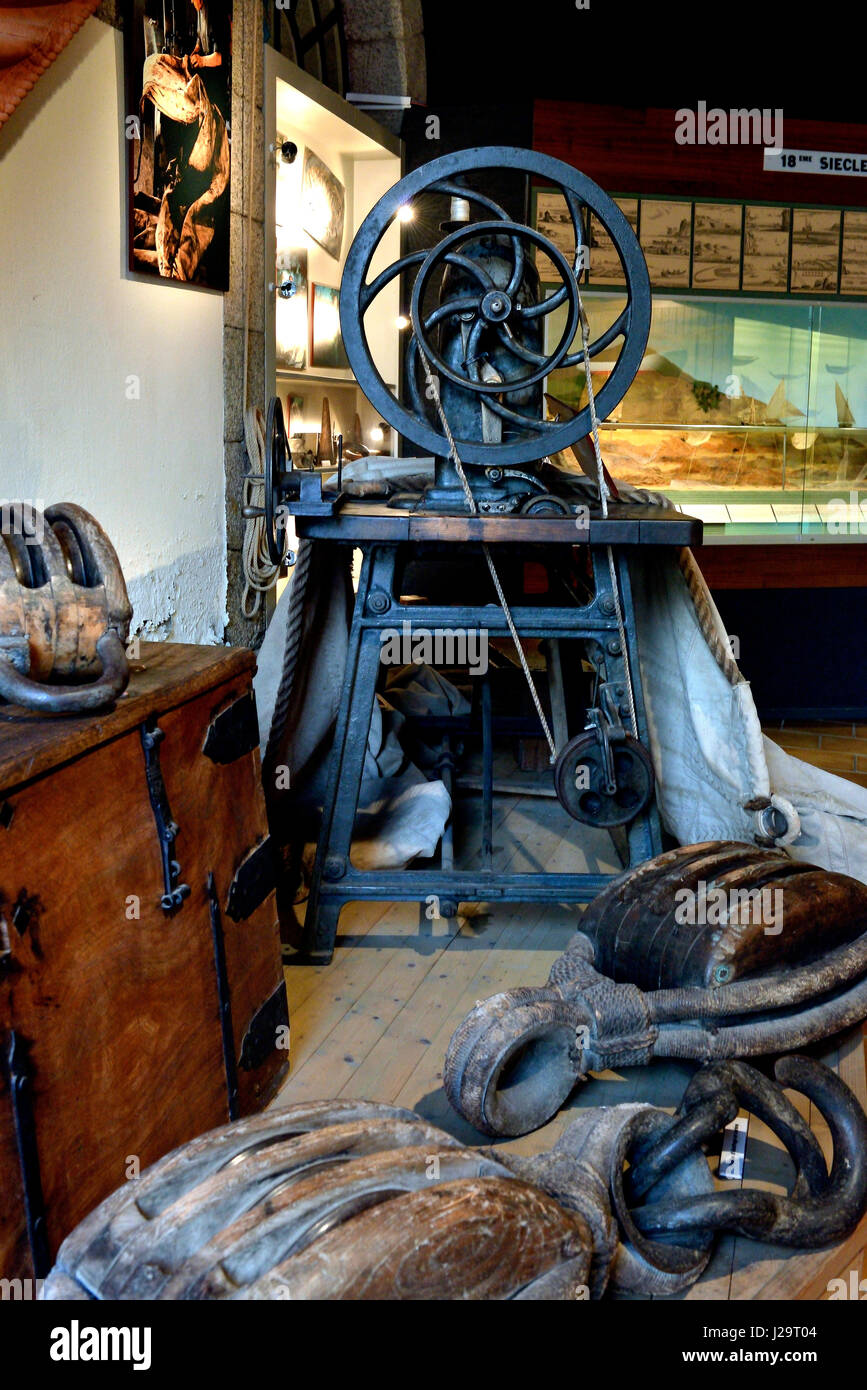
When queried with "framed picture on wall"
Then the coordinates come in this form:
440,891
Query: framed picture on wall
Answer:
815,250
605,267
323,204
326,339
290,317
766,248
666,233
178,62
554,221
853,279
716,256
552,218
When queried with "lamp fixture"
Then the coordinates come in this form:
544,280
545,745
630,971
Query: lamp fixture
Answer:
287,150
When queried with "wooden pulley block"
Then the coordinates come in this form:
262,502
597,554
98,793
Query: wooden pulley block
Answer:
326,1200
64,611
337,1200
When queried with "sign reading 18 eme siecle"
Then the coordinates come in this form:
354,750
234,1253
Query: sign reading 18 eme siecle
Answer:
815,162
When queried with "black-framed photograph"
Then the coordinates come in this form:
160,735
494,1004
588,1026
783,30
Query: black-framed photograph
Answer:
178,60
326,339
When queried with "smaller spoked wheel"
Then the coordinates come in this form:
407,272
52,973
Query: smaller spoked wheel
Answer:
544,504
581,784
276,477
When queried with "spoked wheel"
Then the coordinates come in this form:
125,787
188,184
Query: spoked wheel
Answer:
581,784
499,319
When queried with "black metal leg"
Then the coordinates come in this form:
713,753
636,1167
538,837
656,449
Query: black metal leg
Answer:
447,772
487,777
645,832
335,881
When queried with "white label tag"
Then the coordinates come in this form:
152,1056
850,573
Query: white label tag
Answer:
814,162
731,1160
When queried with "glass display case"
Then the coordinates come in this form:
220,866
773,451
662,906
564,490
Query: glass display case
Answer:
751,414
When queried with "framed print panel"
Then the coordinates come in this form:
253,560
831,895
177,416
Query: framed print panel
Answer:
853,277
766,248
605,267
291,319
179,91
666,236
553,220
815,250
326,339
716,253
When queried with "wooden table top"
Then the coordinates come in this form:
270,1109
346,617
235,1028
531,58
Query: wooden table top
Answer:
626,524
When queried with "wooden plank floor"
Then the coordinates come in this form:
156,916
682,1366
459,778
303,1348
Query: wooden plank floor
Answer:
375,1024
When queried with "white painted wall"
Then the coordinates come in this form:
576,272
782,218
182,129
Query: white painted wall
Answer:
75,326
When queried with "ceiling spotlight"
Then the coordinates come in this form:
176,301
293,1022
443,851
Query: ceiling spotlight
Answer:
402,322
405,213
379,432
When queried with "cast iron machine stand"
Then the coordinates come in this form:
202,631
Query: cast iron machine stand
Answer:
474,372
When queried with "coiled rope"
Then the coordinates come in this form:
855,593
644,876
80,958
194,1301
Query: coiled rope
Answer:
259,573
294,624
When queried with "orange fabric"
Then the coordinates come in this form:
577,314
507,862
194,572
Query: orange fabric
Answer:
31,37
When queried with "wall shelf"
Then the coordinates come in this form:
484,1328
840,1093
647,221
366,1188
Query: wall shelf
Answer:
320,378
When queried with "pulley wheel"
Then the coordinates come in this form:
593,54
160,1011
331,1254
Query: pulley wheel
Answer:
276,475
544,504
580,782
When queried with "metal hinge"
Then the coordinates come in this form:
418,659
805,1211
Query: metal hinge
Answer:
225,998
260,1039
255,879
5,940
174,892
16,1064
233,732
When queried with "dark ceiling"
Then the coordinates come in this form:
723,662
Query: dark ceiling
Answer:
619,52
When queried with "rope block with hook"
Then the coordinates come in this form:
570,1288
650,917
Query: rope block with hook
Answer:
64,611
710,951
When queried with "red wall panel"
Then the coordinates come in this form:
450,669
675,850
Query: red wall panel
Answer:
634,151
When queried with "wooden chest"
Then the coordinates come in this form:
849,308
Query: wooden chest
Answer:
128,1024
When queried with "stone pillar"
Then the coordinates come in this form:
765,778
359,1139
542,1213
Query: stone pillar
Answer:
247,270
385,43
